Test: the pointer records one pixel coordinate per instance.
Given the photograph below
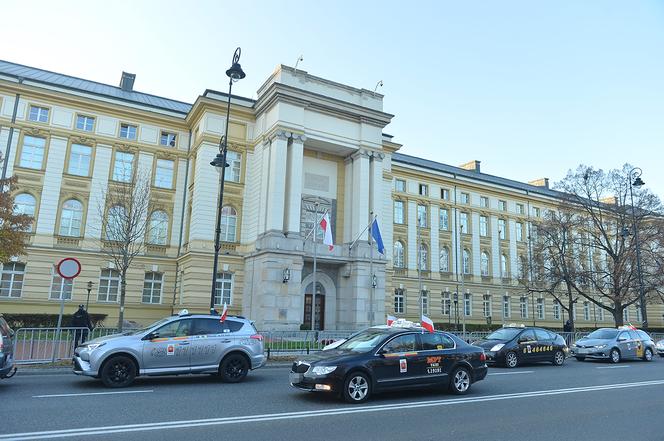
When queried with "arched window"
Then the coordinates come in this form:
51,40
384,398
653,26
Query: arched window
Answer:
71,218
158,233
399,261
25,203
444,260
484,264
503,266
228,224
116,223
466,261
424,257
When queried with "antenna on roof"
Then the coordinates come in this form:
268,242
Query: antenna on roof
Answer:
378,84
300,58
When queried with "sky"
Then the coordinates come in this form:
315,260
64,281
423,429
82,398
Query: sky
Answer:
531,89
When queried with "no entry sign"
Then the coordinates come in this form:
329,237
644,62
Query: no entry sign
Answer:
69,268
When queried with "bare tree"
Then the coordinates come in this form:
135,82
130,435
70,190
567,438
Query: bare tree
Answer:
14,225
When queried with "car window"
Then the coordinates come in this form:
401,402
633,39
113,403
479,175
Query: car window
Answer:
503,334
363,341
634,335
527,335
602,334
643,335
213,326
543,335
178,328
624,335
402,343
436,341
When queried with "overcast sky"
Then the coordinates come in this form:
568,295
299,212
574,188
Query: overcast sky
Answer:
531,89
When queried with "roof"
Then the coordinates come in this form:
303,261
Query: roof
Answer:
497,180
92,87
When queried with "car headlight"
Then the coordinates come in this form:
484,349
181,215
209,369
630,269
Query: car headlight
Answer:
94,346
600,346
323,370
660,345
497,347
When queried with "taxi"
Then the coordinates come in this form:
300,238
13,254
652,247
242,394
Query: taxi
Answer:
383,358
615,345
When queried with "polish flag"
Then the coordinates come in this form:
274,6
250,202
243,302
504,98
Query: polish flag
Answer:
390,320
427,323
224,313
326,225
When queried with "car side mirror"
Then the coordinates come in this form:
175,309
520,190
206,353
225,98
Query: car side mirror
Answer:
151,336
382,352
622,339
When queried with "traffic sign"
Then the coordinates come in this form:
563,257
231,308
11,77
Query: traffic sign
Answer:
69,268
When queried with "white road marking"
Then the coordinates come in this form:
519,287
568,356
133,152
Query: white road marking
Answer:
513,373
95,393
612,367
166,425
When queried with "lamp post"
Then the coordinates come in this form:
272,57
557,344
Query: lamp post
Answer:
456,311
235,73
636,181
87,302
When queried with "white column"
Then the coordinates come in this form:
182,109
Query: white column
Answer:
412,235
435,242
513,253
180,192
274,219
4,137
348,200
495,247
475,227
294,183
361,192
98,188
376,194
263,153
50,197
205,195
454,251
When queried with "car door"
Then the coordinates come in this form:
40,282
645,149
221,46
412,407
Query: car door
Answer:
436,357
545,347
527,343
166,349
397,362
210,342
638,343
626,346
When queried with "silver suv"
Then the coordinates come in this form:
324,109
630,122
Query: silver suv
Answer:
7,368
182,344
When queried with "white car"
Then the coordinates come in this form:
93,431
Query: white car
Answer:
659,347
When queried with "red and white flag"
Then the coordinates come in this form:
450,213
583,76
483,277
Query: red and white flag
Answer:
390,320
224,313
427,323
326,225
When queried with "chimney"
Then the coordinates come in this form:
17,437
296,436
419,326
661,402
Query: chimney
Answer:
127,81
473,165
542,182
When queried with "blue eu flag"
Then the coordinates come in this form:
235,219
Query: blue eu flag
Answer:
375,233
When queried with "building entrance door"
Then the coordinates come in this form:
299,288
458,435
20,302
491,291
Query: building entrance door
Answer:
320,307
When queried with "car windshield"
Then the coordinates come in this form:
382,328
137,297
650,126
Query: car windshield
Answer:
363,342
603,334
155,324
504,334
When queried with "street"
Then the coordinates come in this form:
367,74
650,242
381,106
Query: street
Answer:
578,401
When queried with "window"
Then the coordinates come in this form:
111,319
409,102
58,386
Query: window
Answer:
25,203
501,229
540,308
484,227
486,305
234,160
446,303
32,153
223,290
444,260
425,302
523,307
556,310
39,114
484,264
502,205
79,160
536,212
421,216
178,328
637,311
507,308
85,123
399,301
152,286
466,261
463,223
600,313
521,266
228,224
163,177
71,218
403,343
424,257
109,286
423,190
503,266
116,223
398,255
519,232
519,209
127,131
207,326
586,311
11,279
398,212
60,288
168,139
444,221
436,341
484,202
467,304
158,234
400,185
445,194
123,168
465,198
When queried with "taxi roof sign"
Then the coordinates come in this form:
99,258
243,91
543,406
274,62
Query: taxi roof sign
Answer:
403,323
514,325
183,312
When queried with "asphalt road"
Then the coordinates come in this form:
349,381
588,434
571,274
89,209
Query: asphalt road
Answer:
589,401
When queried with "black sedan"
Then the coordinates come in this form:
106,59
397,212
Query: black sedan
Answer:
391,358
515,345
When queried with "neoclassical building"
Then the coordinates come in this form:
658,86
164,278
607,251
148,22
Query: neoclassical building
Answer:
306,146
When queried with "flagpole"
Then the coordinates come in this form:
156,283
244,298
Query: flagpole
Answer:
372,293
313,296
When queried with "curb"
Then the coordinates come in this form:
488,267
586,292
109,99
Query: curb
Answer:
68,370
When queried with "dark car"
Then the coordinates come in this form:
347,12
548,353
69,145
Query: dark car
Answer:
386,358
514,345
7,368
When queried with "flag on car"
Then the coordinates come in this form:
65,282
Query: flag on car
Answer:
390,320
224,313
427,323
326,225
375,233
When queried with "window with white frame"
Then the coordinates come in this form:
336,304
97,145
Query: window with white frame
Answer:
444,260
502,205
223,289
540,308
637,311
234,160
123,167
446,303
523,306
422,216
398,255
444,219
536,212
400,185
11,279
520,209
501,229
116,223
152,287
163,177
468,304
503,266
85,123
423,189
425,302
71,218
445,194
466,261
486,305
519,231
79,160
556,310
25,203
168,139
484,226
128,131
60,288
228,224
158,234
507,307
109,285
626,315
484,264
463,223
484,202
398,212
424,257
32,152
399,301
586,311
38,114
599,311
465,198
521,267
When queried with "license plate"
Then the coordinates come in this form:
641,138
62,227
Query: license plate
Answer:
295,378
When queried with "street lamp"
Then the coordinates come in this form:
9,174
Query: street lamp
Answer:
235,73
636,181
456,311
89,288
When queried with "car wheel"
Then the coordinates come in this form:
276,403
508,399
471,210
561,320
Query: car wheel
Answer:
558,358
118,371
511,360
647,355
357,388
580,358
614,356
234,368
460,382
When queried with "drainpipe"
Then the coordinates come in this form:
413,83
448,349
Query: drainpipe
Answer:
11,132
182,220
